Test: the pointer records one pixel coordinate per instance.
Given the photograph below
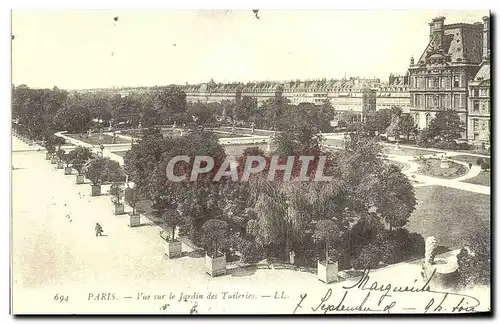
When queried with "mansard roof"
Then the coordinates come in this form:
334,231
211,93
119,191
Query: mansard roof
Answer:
460,43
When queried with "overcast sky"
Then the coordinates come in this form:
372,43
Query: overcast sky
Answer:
88,49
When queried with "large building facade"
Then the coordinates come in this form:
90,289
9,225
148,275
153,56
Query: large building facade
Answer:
479,108
453,72
441,78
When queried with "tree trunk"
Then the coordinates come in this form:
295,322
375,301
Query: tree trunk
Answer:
173,233
326,250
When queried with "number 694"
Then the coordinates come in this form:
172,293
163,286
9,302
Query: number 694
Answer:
60,298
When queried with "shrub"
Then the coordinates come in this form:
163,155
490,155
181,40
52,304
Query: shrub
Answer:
390,247
474,259
485,166
479,161
464,146
450,145
251,251
215,236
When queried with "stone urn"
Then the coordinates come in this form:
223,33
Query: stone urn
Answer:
95,190
328,272
215,266
48,156
60,165
80,178
53,160
67,170
134,220
440,272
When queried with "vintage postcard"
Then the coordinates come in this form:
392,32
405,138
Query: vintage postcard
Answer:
250,162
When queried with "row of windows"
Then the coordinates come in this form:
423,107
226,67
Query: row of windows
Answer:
475,125
479,93
475,107
439,82
439,101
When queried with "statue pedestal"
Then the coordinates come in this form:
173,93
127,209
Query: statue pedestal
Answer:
443,274
445,164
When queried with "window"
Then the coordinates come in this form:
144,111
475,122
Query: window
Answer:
418,102
435,101
484,93
417,119
475,105
475,93
430,83
456,81
456,101
475,124
427,120
443,101
443,83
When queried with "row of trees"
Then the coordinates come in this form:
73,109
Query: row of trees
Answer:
38,113
41,112
368,201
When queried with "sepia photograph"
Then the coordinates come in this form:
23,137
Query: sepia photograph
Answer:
250,162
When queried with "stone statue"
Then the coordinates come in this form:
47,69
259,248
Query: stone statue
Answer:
412,61
430,249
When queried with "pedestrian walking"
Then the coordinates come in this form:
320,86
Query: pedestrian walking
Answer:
98,230
470,165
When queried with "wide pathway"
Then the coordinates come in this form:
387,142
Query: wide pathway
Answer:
55,253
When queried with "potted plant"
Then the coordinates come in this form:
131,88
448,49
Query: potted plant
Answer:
57,141
50,150
67,158
95,172
132,196
173,247
80,156
214,234
60,155
326,233
116,192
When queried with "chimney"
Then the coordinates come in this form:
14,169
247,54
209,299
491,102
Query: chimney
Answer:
438,29
431,29
486,38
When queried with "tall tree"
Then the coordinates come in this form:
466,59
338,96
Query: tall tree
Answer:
446,125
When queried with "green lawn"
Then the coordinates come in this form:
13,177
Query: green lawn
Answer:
389,149
483,179
468,159
431,167
226,135
240,131
94,139
448,214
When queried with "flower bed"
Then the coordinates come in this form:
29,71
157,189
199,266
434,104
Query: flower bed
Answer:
432,167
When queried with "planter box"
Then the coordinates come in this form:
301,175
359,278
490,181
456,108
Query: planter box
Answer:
60,165
80,178
67,170
135,220
173,249
95,190
119,209
53,160
215,266
328,272
48,156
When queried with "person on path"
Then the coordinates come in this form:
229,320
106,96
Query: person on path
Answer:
470,165
98,230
